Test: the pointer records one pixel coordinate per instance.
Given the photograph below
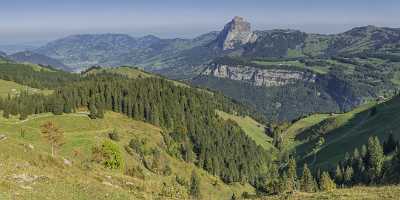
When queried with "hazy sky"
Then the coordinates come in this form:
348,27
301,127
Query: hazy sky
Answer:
41,20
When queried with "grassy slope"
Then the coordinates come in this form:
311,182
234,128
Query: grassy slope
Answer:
57,180
129,71
344,132
252,128
300,126
12,88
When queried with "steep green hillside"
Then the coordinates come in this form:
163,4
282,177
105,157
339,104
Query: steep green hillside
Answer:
13,89
28,171
35,76
192,132
251,127
342,133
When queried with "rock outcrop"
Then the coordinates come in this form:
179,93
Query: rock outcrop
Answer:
259,77
235,33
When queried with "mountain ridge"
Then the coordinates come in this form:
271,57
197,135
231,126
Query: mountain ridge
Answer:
169,56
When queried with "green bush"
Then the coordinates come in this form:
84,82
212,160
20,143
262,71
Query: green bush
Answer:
108,154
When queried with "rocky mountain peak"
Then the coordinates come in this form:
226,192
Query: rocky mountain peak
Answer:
237,32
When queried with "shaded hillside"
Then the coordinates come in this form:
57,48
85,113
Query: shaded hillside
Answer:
285,89
342,133
34,58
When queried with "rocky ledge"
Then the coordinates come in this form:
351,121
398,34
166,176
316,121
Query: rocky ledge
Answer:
259,77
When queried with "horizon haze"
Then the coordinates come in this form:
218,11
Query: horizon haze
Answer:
41,21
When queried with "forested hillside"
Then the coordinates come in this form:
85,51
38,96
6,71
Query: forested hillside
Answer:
357,147
203,129
194,132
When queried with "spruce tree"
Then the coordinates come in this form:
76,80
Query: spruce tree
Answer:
348,175
195,186
92,111
307,180
338,175
374,160
326,183
292,175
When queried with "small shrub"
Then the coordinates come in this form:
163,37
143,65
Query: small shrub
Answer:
114,136
139,146
181,181
108,154
167,170
136,171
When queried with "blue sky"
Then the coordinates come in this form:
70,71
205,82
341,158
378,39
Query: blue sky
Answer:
42,20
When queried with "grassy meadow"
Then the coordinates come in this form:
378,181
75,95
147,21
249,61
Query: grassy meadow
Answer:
27,170
251,127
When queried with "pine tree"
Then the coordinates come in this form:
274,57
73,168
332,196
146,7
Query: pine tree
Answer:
195,186
339,175
348,175
374,160
307,180
326,183
292,175
92,111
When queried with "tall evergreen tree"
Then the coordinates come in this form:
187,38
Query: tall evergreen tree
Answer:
326,183
195,186
374,159
307,182
92,110
339,175
292,175
348,175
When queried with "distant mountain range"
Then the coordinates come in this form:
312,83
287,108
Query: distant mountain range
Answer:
35,58
285,73
183,58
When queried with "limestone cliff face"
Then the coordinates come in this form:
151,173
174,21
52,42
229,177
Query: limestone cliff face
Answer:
235,33
259,77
